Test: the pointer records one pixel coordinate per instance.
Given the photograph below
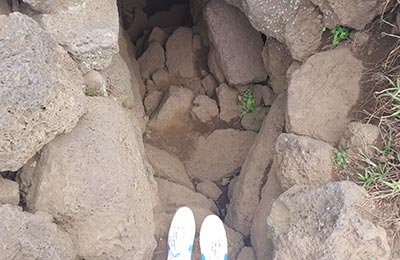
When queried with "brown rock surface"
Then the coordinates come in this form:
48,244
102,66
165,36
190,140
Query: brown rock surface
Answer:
321,94
236,43
219,154
324,223
246,194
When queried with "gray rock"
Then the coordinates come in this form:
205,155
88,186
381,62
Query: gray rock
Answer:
303,160
296,65
359,137
173,196
247,253
41,97
231,186
228,103
157,35
261,239
152,101
98,26
277,61
124,82
5,8
45,6
95,85
95,184
295,23
209,85
205,109
167,166
152,60
237,45
9,192
161,78
196,87
214,67
219,154
180,55
322,93
32,236
253,120
209,189
246,194
174,110
335,226
351,13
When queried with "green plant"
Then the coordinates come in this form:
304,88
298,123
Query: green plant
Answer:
394,94
147,135
341,162
247,102
339,33
341,159
373,171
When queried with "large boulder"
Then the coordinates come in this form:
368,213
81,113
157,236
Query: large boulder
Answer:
246,193
325,223
237,44
41,90
180,55
303,160
321,94
219,154
167,166
32,236
351,13
91,33
295,23
95,184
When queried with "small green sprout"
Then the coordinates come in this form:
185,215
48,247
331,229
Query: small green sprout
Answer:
339,33
341,162
248,102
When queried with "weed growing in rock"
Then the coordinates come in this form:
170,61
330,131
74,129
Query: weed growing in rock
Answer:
339,33
394,94
378,170
247,102
341,162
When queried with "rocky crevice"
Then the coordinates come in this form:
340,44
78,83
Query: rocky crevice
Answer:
135,108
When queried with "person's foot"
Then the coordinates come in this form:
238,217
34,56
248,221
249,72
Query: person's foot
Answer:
181,235
213,242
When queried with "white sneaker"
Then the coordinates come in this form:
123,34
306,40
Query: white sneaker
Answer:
213,242
181,235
